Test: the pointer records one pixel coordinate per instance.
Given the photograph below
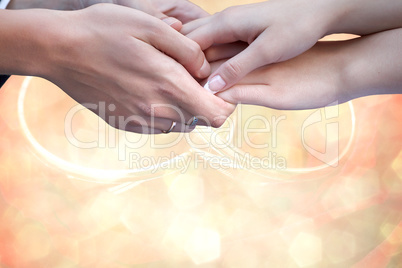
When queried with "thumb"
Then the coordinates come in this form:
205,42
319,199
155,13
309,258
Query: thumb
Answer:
233,70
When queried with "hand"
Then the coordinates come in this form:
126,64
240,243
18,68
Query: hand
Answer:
183,10
174,12
277,30
329,73
116,59
312,80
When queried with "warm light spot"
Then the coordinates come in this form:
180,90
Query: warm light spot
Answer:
187,191
306,249
203,246
181,229
240,254
387,228
393,233
105,210
294,225
132,216
397,165
32,242
360,189
340,246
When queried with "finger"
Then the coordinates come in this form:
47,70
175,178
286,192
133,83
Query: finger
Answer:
170,112
265,50
157,126
209,34
219,30
183,50
233,70
173,22
151,10
185,11
195,24
209,109
225,51
250,94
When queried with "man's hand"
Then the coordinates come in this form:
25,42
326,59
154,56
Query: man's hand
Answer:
181,10
132,62
173,12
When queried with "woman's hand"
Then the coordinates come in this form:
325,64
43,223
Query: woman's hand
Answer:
311,80
277,30
127,60
329,73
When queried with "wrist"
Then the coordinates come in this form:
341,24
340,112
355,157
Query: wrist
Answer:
29,39
55,43
331,13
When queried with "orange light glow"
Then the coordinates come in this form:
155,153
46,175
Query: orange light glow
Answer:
231,204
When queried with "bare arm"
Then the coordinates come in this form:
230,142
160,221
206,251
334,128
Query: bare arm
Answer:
278,30
330,72
112,54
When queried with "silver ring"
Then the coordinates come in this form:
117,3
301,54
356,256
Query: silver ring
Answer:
170,129
194,122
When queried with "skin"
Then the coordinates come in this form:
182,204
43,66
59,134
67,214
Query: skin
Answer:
110,61
329,73
182,11
278,30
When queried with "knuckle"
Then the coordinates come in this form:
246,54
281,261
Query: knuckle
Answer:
146,109
227,16
233,69
229,12
220,118
194,51
239,94
218,122
165,91
154,28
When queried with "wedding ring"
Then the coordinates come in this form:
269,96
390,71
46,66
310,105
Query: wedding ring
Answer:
194,122
170,129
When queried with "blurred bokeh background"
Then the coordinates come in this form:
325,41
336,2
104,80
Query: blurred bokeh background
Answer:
172,202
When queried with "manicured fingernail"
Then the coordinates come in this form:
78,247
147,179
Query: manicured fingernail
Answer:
215,85
170,20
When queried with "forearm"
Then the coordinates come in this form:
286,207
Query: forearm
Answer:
362,17
373,65
27,40
330,72
47,4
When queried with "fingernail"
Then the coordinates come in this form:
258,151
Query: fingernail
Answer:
170,20
215,85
